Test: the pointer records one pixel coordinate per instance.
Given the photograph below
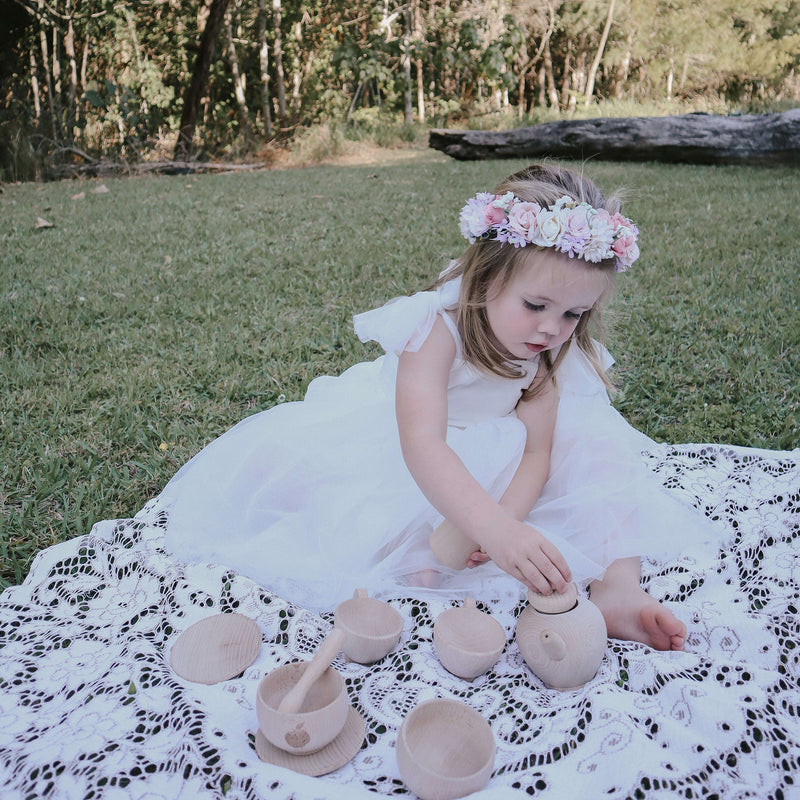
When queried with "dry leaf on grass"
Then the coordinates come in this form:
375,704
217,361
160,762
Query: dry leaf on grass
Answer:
101,189
41,222
79,196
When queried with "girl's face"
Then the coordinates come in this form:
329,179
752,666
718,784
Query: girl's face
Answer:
540,305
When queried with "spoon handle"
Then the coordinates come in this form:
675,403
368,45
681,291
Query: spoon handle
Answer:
322,660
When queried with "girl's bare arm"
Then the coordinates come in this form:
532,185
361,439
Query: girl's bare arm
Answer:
421,405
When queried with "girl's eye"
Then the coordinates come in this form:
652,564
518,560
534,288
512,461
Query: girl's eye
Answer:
532,306
573,315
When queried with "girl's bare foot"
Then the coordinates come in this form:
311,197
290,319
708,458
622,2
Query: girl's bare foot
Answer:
425,579
632,614
640,619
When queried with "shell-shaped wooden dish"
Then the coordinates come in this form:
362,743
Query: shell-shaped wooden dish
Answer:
445,749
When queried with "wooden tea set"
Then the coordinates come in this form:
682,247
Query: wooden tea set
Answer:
445,749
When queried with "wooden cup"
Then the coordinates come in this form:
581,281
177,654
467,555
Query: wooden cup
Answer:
445,749
372,628
320,719
467,641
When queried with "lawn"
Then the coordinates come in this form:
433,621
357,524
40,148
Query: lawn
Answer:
153,316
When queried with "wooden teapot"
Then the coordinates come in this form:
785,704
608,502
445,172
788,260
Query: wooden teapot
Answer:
562,638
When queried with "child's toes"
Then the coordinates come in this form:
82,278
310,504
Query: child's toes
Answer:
664,629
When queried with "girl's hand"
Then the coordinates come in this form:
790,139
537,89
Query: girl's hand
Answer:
477,558
526,555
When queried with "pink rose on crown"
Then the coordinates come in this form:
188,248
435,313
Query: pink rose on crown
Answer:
618,222
523,219
576,223
626,249
494,215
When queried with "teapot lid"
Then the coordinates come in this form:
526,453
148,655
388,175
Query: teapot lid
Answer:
555,603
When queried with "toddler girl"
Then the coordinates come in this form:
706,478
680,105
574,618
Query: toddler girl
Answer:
488,416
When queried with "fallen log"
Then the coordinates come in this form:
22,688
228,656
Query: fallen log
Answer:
99,169
687,138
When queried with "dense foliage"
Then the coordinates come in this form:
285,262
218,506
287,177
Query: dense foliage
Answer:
108,78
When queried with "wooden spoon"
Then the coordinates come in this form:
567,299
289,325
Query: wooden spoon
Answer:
322,660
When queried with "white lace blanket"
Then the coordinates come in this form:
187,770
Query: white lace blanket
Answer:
89,707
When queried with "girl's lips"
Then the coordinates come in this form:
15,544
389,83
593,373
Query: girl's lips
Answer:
535,348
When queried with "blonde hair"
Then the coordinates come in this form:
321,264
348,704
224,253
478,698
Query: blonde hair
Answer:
486,261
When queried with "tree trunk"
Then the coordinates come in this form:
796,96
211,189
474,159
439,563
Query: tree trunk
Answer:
408,109
684,73
552,93
687,138
57,90
405,61
137,52
565,78
72,86
420,90
353,102
48,77
238,83
194,93
599,55
623,70
263,63
419,37
84,59
297,70
277,49
670,79
56,69
578,85
37,107
542,86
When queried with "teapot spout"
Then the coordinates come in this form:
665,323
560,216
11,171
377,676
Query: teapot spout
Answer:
553,645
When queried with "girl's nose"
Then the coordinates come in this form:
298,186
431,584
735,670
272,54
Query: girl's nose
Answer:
549,325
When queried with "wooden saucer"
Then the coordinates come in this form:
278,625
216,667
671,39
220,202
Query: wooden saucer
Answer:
216,648
331,757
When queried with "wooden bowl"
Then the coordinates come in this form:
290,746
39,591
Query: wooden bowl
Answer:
320,719
467,641
445,749
372,627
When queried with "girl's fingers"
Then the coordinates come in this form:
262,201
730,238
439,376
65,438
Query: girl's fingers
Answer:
544,575
477,558
553,576
555,557
533,578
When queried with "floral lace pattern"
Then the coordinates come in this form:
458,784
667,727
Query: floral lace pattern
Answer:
90,707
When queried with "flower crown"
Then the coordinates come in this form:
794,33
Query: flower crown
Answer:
578,229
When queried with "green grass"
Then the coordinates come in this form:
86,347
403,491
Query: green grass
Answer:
153,317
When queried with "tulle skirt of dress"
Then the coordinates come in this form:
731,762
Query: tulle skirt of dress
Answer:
313,499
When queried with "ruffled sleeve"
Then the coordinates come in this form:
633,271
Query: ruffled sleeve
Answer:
405,322
577,376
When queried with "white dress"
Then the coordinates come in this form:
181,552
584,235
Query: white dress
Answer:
313,500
